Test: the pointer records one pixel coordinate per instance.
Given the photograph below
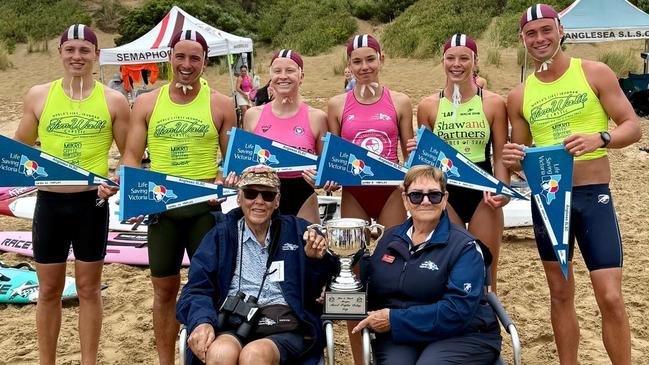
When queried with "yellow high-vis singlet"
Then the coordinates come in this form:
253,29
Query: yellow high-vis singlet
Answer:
561,108
182,138
77,131
469,132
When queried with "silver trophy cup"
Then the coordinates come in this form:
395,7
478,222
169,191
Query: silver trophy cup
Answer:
347,236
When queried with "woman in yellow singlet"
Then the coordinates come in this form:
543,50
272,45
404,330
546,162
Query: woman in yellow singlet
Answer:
474,122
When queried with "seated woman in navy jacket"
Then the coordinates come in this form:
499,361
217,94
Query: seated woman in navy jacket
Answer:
425,285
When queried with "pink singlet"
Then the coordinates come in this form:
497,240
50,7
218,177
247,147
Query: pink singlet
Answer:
246,84
293,131
372,126
376,128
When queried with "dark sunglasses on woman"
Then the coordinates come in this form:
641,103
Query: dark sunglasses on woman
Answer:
417,197
251,194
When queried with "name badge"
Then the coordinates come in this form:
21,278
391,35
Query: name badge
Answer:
277,271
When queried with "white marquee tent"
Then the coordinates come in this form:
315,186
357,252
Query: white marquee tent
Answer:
153,47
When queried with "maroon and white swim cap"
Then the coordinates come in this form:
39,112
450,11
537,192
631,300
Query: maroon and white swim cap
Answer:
81,32
461,40
289,53
189,35
360,41
538,11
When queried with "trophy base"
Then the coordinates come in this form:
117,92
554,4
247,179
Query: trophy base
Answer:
344,305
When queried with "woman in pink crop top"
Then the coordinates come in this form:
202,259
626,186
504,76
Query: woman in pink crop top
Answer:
244,87
372,116
290,121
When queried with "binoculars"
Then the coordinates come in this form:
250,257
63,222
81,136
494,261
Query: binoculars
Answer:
246,311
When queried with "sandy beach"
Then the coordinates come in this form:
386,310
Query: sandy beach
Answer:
127,334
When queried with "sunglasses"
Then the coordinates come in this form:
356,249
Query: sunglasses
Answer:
252,194
417,197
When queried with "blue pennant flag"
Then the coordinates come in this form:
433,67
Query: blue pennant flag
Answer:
549,174
246,149
21,165
351,165
145,192
459,171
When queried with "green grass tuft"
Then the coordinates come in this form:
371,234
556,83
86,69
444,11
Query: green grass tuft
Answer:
621,62
4,59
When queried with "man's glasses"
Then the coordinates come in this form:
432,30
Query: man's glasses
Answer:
251,194
417,197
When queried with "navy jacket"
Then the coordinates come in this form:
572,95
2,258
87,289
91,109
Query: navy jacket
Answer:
212,268
435,293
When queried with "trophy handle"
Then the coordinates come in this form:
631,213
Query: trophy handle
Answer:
381,229
323,230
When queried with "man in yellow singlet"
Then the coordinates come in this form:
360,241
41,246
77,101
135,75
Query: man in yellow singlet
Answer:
184,124
76,119
569,101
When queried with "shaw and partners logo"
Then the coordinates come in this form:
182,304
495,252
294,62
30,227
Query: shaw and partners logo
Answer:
159,193
550,186
446,165
31,168
264,157
358,167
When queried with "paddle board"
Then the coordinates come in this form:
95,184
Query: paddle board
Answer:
20,286
123,247
8,193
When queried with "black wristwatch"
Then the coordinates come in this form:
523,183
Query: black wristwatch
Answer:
606,137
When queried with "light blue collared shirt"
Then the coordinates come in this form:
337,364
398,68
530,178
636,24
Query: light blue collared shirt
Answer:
253,269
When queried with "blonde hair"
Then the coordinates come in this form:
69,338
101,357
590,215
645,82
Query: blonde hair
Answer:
426,172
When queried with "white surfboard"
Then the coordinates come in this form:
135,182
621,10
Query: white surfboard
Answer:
517,213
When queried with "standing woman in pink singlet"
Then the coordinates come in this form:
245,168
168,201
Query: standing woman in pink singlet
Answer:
288,120
376,118
244,87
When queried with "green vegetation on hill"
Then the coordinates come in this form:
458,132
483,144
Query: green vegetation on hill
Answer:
508,22
226,15
310,27
423,28
382,11
417,28
37,21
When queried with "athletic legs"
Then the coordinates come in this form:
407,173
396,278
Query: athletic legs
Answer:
51,280
88,281
607,284
309,210
165,326
487,225
562,311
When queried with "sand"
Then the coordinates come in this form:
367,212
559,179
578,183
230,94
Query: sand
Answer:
127,334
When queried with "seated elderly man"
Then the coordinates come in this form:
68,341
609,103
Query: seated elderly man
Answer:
425,285
253,283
